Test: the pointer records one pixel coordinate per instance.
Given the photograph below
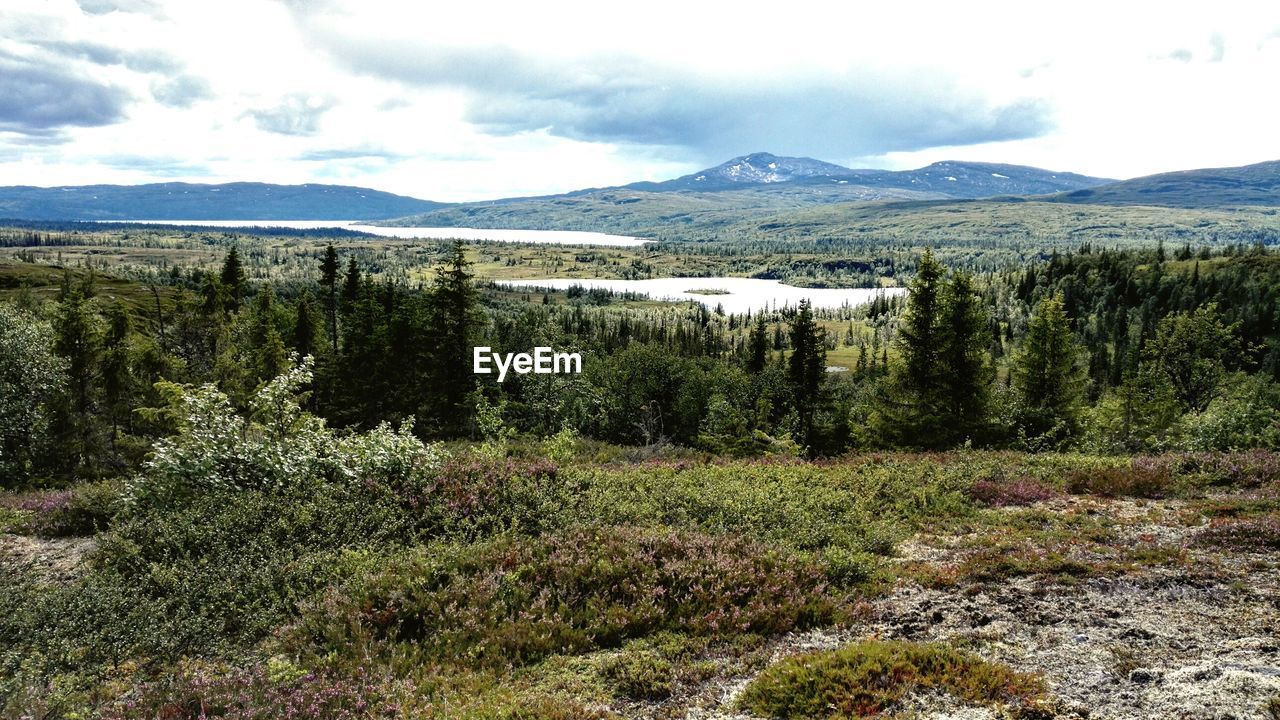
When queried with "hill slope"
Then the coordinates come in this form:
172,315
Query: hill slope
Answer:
1257,184
186,201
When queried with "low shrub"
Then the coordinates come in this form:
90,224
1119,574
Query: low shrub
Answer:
871,677
1143,478
998,492
259,692
515,600
1256,534
640,674
78,511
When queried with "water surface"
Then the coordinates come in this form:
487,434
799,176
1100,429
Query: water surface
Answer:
743,294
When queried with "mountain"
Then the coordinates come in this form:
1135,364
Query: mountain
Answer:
750,186
755,169
185,201
1257,184
951,179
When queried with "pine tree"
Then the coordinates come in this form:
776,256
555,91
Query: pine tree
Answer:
268,356
79,341
967,374
758,349
912,409
304,327
455,321
329,280
350,287
1047,374
806,369
118,382
233,279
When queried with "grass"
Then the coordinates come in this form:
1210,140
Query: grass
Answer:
872,677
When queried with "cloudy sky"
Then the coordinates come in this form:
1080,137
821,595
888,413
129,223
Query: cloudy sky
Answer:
462,101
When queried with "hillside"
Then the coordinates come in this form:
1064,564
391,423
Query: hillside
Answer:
1257,184
186,201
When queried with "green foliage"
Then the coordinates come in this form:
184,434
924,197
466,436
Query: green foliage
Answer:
515,600
1191,352
939,396
32,376
872,677
1048,377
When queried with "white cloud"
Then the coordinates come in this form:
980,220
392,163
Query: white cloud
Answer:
455,101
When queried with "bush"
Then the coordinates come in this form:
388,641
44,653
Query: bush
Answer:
997,492
1143,478
640,674
870,677
1257,534
260,692
515,600
79,511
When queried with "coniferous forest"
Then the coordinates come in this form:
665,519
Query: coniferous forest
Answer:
254,476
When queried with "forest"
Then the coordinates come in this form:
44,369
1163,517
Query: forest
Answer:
256,476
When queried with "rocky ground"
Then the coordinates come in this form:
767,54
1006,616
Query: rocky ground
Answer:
1194,635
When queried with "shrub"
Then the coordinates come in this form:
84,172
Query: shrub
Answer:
870,677
997,492
515,600
1258,534
79,511
259,692
640,674
1143,478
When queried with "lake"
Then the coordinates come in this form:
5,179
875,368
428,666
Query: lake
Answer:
541,237
735,295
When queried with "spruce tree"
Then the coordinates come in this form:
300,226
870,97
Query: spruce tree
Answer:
304,327
758,349
233,279
911,411
966,372
329,280
455,321
118,382
806,369
1047,375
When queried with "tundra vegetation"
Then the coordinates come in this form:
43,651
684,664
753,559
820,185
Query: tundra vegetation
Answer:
256,477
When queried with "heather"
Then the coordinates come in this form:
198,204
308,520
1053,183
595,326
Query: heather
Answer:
872,677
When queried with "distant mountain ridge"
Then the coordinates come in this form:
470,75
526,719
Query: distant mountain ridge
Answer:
190,201
1257,184
952,179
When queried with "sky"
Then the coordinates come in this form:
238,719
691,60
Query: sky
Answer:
478,100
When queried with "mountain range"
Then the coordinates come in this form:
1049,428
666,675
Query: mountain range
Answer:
750,185
187,201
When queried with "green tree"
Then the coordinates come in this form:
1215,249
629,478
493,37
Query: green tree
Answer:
806,368
329,268
268,356
304,327
32,377
758,348
119,385
1047,374
455,323
1192,352
966,372
79,341
233,278
912,408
